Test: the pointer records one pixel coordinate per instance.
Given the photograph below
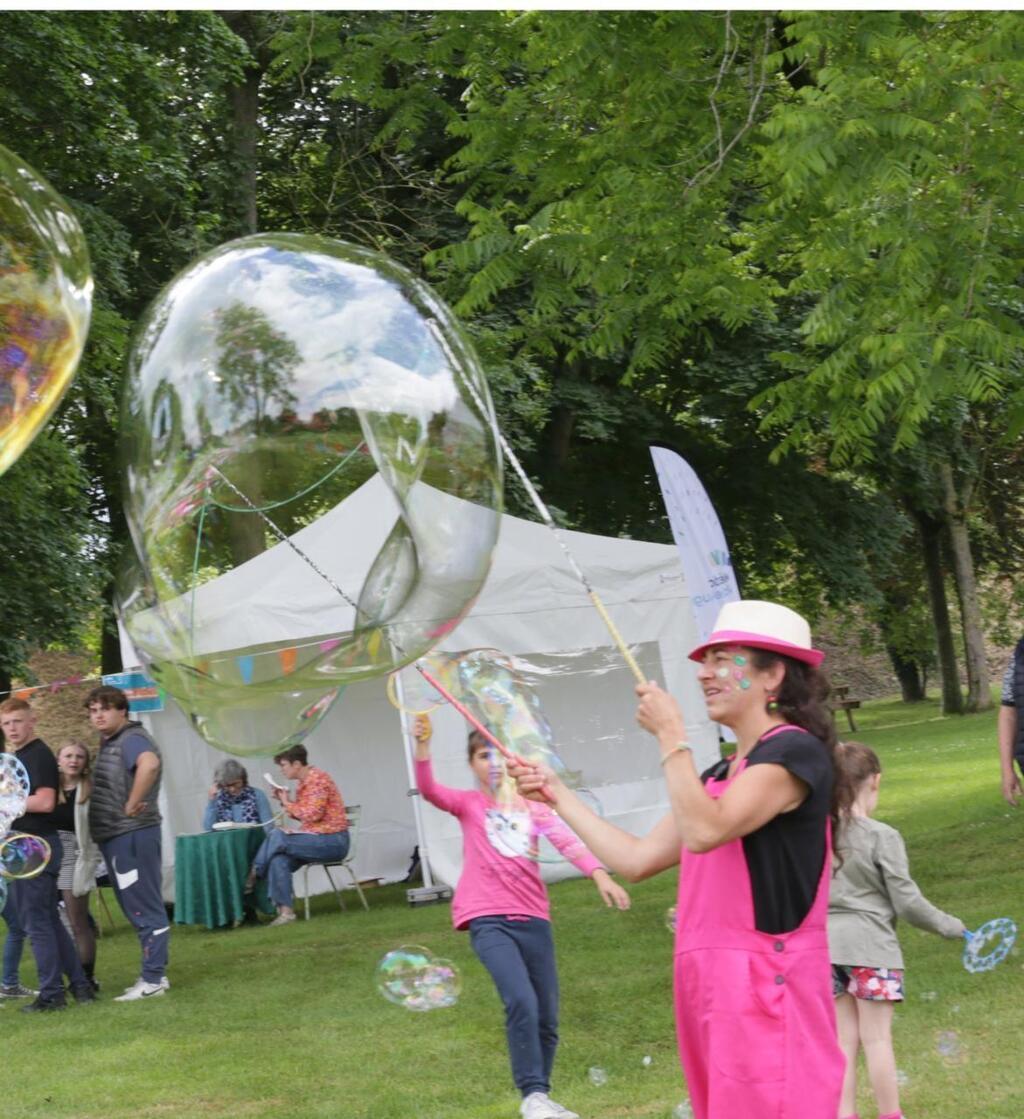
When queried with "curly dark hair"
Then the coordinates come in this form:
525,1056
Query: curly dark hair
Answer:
803,701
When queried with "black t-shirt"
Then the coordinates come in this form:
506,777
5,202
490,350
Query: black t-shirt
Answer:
786,855
63,818
38,760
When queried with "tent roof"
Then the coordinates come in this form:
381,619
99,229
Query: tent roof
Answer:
277,596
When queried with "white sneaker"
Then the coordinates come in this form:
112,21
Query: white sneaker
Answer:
537,1105
562,1112
142,990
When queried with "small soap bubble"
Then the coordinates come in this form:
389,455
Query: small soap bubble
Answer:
646,1062
413,978
23,856
902,1080
955,1008
929,996
670,919
947,1045
597,1076
682,1110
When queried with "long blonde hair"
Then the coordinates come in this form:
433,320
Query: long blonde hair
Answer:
84,778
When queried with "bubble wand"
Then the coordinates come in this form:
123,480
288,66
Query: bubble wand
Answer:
429,677
545,516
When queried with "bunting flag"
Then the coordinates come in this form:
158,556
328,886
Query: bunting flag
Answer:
245,667
287,658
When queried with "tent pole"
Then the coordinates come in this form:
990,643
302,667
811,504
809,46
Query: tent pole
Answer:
417,807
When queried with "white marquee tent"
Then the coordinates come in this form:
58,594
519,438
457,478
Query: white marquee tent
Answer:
531,606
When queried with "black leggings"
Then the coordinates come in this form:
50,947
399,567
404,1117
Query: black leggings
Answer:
77,910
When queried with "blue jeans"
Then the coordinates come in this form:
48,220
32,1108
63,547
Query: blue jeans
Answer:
281,854
519,952
14,943
136,874
54,950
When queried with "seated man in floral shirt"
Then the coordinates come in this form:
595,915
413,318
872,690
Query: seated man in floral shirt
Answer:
322,836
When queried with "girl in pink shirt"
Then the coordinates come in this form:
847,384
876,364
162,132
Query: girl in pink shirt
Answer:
501,900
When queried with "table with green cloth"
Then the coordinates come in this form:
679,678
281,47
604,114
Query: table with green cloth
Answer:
210,869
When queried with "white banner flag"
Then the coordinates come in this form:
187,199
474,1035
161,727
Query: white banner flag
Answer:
710,579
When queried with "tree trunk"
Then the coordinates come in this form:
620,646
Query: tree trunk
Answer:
110,643
930,535
910,675
979,697
244,101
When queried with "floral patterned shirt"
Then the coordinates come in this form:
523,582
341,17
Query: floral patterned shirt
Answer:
318,804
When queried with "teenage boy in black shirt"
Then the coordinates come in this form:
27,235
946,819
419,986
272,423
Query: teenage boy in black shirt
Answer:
36,898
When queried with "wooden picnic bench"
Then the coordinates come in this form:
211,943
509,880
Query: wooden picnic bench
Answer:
841,702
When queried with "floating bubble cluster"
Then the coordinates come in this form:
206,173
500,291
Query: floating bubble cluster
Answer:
14,790
670,919
23,856
45,301
413,978
313,482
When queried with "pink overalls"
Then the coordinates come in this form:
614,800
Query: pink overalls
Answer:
754,1012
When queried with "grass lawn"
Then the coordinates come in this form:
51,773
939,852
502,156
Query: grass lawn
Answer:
286,1023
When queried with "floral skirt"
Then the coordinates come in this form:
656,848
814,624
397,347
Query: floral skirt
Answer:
876,984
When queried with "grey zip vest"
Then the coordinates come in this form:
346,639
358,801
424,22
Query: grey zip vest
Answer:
111,785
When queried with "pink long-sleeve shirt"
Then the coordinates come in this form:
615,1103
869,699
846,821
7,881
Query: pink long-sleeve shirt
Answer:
494,880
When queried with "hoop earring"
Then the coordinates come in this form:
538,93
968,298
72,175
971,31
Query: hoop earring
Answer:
772,704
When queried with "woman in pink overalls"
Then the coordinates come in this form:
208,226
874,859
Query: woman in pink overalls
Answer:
753,988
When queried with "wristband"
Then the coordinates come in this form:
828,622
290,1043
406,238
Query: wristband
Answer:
679,748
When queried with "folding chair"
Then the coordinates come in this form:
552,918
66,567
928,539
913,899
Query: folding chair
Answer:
353,811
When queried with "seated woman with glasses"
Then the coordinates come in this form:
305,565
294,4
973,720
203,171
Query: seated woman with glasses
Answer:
233,800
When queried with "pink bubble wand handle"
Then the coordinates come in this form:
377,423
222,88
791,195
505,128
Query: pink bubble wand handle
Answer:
474,722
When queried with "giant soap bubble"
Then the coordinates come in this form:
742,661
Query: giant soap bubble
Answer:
45,299
313,482
499,691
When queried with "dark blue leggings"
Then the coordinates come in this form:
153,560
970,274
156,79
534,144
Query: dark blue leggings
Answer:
519,952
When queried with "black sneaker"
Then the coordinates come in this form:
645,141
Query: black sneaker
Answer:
16,991
85,993
39,1003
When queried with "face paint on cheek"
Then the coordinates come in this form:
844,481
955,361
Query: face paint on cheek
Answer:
723,675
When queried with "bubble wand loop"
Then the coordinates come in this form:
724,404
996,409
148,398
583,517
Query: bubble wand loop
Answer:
545,516
430,679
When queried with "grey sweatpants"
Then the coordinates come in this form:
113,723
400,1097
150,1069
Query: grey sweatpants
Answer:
134,863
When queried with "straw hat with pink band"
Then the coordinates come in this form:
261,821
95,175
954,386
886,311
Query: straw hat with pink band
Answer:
762,625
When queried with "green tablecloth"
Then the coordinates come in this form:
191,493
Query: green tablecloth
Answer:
209,876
